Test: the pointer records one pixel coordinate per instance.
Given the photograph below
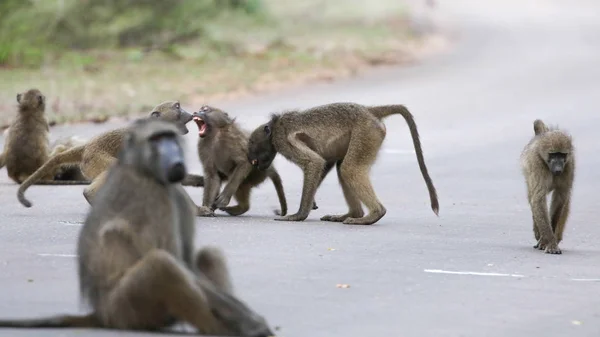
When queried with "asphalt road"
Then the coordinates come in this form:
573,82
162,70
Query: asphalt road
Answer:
513,61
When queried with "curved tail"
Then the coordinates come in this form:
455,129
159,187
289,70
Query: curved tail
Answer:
59,321
72,155
383,111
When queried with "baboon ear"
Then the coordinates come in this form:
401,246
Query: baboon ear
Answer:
267,130
19,98
155,114
177,105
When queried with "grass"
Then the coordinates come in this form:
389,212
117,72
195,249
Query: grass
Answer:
299,41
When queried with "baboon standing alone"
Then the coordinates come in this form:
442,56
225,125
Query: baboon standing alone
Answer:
346,135
548,164
136,261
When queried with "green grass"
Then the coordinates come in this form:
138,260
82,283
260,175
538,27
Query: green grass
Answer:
234,53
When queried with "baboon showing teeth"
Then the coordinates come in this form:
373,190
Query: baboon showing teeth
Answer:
548,164
222,148
136,262
97,155
346,135
27,142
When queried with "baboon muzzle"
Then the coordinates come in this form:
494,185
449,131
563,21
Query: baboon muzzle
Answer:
557,166
172,163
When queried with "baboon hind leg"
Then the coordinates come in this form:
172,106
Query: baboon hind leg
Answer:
211,262
242,196
559,210
354,170
355,207
154,293
90,191
96,169
539,210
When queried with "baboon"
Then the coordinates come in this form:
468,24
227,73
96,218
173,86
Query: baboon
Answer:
68,171
97,155
548,164
346,135
136,263
222,148
27,143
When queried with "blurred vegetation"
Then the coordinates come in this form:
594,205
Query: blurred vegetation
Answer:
31,30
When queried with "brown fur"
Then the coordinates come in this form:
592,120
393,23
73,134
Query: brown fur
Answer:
222,149
136,261
347,135
97,155
68,172
536,163
27,143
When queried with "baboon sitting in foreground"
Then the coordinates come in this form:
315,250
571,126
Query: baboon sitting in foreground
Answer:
26,147
548,164
347,135
97,155
136,260
222,148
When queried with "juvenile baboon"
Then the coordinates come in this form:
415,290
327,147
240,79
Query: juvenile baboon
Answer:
222,148
136,263
27,143
70,172
97,155
347,135
548,164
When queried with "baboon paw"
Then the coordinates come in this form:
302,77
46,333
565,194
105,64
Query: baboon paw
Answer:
315,205
279,213
205,211
334,218
356,221
221,201
552,249
293,217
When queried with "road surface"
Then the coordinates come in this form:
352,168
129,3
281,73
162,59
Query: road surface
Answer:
470,272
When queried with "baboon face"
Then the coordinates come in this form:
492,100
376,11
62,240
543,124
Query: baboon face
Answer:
174,113
155,148
261,151
556,162
209,120
557,149
32,99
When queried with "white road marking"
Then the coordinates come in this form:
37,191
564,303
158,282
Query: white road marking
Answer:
71,223
586,279
439,271
57,255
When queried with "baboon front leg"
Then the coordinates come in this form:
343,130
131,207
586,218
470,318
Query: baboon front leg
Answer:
276,179
355,208
242,196
312,173
559,210
212,184
153,292
240,173
193,180
547,241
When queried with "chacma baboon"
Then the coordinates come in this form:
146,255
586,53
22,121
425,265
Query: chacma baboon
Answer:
347,135
97,155
136,263
70,172
222,148
548,164
27,143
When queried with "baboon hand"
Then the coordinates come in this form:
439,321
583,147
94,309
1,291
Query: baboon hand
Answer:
205,211
293,217
221,201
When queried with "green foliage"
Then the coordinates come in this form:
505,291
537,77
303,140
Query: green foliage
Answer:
29,29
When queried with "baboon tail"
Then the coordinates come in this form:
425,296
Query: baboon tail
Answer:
276,179
60,321
73,155
63,182
383,111
193,180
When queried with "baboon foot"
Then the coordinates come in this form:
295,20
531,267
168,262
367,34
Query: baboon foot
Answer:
234,210
552,249
335,218
315,205
370,219
205,211
280,213
293,217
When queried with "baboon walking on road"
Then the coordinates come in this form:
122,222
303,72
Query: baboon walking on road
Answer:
223,151
97,155
346,135
136,261
548,164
